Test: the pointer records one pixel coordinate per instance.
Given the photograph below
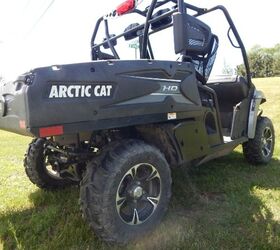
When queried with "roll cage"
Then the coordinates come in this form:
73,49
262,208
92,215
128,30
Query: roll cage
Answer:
143,31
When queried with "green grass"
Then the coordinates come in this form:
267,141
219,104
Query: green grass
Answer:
225,204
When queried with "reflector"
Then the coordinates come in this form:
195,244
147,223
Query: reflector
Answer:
125,7
51,131
22,124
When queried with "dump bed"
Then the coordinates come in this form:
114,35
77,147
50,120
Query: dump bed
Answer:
67,99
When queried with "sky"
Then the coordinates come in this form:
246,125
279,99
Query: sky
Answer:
63,34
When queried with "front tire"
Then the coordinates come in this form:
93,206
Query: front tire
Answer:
127,192
38,169
260,149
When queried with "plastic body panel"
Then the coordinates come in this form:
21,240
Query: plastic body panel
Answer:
192,138
14,112
257,99
102,95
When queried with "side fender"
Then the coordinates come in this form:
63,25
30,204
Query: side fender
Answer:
256,101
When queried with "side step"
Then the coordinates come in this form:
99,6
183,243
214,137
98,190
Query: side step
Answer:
222,149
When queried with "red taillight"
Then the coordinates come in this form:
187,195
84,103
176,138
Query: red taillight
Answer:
125,7
51,131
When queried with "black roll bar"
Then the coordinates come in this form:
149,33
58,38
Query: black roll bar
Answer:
143,53
181,7
237,36
95,31
140,27
110,41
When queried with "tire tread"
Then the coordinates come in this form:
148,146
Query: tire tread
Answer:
96,183
34,168
251,149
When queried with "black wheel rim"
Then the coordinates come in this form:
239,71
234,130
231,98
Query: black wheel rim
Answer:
49,167
267,142
138,194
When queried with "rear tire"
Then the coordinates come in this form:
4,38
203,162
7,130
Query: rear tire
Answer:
260,149
126,192
39,171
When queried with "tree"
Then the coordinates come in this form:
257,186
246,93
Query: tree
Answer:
264,62
276,57
240,69
256,61
276,65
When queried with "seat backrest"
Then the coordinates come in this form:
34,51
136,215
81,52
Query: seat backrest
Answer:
194,39
204,64
190,35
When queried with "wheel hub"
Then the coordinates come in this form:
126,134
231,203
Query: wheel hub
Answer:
267,141
136,192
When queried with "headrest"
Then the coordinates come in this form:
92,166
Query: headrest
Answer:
163,21
132,34
113,42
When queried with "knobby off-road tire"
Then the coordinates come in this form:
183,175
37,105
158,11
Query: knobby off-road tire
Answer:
35,164
260,149
126,192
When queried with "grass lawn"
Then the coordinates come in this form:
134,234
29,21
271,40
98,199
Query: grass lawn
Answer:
225,204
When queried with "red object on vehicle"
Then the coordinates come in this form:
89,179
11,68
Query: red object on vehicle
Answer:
51,131
22,124
125,7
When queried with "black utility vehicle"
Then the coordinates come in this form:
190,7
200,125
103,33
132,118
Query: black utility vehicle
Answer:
117,127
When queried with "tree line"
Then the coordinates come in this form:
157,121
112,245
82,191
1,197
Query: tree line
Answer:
264,62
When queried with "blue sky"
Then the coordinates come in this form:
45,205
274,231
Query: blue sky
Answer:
63,34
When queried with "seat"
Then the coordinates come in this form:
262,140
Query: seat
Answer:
229,93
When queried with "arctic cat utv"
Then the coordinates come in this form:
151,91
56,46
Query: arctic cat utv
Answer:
117,127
